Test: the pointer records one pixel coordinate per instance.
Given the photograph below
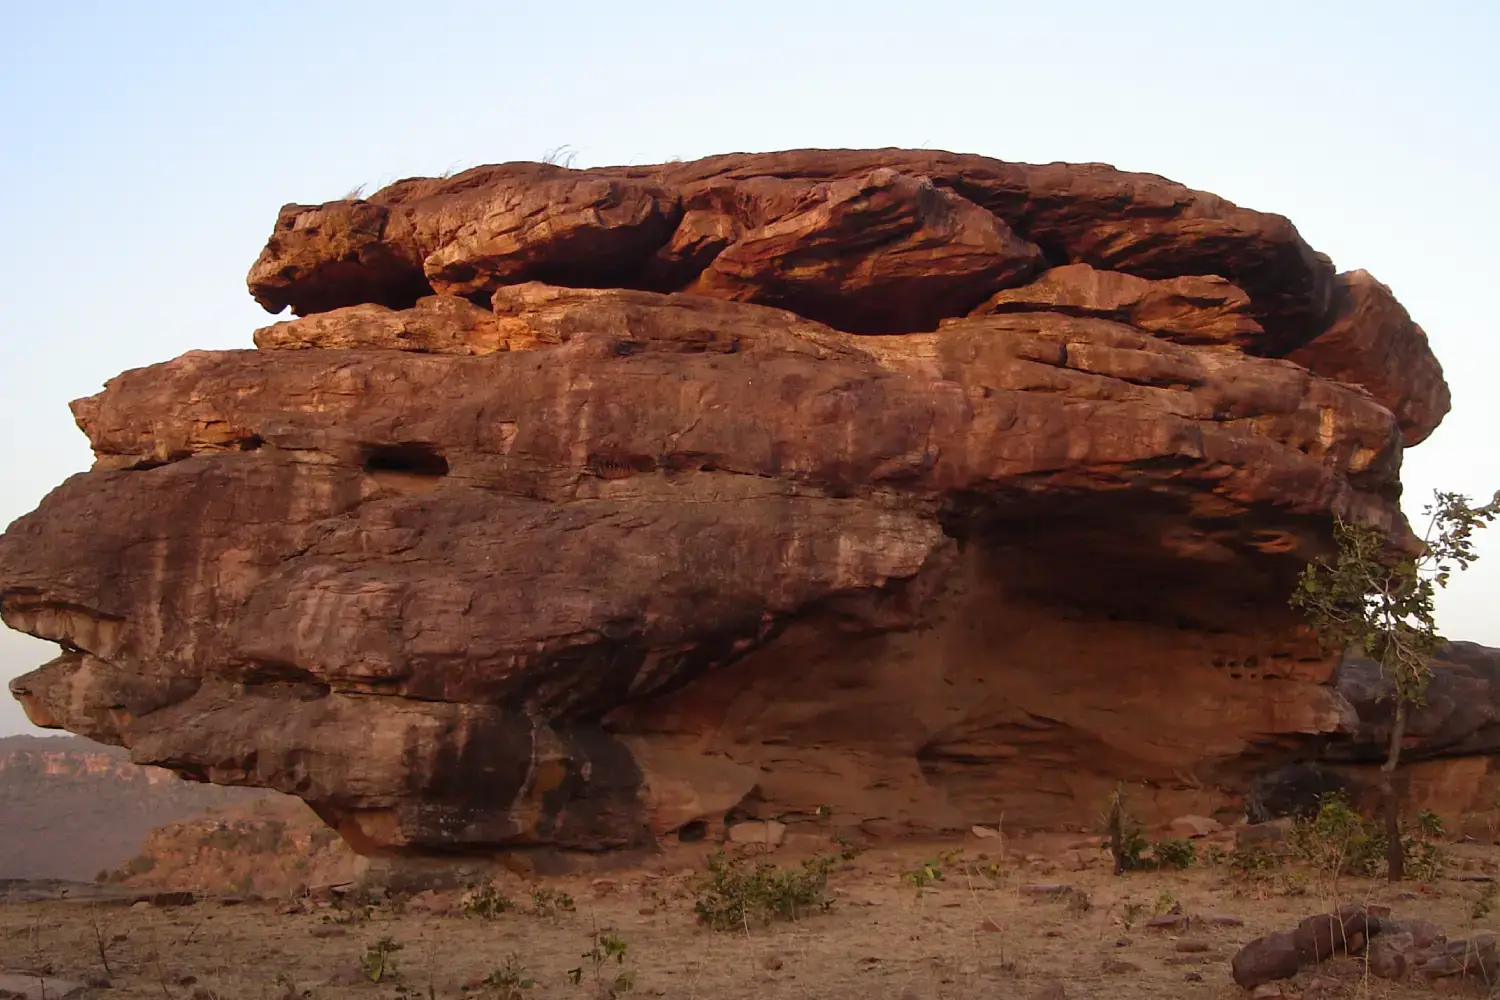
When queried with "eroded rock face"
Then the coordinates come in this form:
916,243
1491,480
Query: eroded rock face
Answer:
882,253
1198,309
383,250
1372,342
544,527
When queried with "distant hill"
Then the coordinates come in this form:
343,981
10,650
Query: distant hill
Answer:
70,807
267,846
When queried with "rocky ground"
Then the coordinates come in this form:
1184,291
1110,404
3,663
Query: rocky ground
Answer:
1036,920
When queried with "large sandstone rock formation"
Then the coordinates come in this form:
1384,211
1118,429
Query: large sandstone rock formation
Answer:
585,507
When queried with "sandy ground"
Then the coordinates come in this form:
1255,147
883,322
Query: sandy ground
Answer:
977,933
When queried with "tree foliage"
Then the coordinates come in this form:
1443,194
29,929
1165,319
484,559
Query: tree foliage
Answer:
1382,600
1375,597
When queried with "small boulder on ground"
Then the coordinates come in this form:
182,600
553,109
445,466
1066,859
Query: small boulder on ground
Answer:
1190,827
756,831
1266,959
1472,957
1327,934
1392,956
1403,946
1169,922
1046,889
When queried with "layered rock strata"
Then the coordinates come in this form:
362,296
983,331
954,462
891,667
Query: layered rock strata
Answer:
584,508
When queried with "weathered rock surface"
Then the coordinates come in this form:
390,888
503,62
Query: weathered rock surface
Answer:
1266,959
1372,342
1475,957
631,550
435,324
532,221
1459,716
1405,945
1196,309
1282,954
882,253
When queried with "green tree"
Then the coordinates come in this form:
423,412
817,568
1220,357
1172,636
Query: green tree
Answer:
1375,597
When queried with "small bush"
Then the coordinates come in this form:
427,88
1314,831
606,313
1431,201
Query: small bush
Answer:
1337,840
550,903
607,948
355,906
735,892
931,871
1174,853
378,962
848,849
485,901
138,865
510,981
1425,857
1250,862
1263,871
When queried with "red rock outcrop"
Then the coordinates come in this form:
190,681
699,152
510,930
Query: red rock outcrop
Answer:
543,526
1372,342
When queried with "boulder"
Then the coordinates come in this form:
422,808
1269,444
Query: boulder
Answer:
1371,341
1459,714
581,509
465,235
1268,836
767,832
1473,957
1266,959
1194,826
1193,309
879,253
1345,932
1392,956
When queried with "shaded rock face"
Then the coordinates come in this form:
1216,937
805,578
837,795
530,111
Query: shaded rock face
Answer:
583,507
1459,716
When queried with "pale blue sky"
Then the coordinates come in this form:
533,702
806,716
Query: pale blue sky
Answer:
145,149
